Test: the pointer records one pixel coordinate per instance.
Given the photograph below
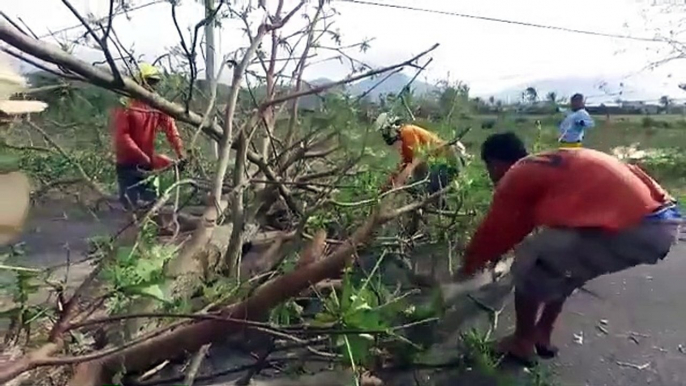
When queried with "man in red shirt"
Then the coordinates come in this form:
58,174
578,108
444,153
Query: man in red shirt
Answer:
595,215
135,125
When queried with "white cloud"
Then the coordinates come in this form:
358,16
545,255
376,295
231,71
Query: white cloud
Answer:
488,55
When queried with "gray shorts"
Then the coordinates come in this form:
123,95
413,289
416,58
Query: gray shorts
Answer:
550,264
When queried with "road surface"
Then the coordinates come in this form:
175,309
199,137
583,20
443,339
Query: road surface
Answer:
634,336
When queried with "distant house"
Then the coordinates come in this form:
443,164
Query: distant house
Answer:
643,107
538,107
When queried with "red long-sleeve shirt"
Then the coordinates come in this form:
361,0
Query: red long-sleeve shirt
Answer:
135,126
572,188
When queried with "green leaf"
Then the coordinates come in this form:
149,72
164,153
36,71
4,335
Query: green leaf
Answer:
153,291
324,319
364,320
147,269
360,348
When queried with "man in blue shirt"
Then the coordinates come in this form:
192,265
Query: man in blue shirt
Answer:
573,127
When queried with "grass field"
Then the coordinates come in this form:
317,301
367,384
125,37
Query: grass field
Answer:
663,138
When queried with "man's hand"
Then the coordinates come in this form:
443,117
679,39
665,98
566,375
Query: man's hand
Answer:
160,161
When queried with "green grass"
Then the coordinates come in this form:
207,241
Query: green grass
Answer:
666,133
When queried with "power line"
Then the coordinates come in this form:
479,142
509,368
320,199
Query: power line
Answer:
120,12
507,21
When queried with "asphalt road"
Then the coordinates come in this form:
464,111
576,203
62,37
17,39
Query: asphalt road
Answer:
634,335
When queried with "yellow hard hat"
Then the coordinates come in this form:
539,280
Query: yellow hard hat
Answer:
148,71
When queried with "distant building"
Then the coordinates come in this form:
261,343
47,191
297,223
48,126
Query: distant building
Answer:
643,107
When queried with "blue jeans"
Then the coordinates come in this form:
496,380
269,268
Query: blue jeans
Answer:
134,191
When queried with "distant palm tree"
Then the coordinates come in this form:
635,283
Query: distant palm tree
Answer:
530,95
551,97
491,100
498,106
666,102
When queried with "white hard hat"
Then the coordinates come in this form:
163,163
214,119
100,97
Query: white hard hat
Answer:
384,121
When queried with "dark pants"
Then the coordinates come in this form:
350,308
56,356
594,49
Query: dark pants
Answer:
134,191
440,176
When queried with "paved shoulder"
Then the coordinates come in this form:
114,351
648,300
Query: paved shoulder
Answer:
634,335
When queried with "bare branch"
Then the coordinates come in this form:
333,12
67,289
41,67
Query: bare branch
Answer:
101,42
350,79
64,154
299,71
227,135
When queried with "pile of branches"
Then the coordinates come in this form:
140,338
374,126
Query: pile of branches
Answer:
283,169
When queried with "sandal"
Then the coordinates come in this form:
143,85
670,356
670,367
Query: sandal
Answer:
529,362
546,352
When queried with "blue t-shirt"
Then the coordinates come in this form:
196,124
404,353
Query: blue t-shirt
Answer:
574,126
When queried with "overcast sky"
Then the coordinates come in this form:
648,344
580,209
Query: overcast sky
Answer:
489,56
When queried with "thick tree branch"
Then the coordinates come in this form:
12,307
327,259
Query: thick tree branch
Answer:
54,55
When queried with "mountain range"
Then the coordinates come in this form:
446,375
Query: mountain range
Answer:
646,87
375,88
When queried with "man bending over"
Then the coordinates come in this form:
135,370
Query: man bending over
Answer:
595,214
410,141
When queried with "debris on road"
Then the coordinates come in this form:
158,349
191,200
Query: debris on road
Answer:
579,338
601,326
633,366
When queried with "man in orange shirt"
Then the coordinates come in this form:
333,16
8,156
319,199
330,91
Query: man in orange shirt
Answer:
595,214
135,125
410,141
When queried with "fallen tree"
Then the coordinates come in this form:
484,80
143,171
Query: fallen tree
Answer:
293,172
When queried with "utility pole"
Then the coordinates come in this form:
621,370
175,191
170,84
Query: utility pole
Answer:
210,72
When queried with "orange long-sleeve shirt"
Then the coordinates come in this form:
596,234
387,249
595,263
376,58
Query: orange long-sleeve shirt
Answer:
412,138
565,188
135,126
